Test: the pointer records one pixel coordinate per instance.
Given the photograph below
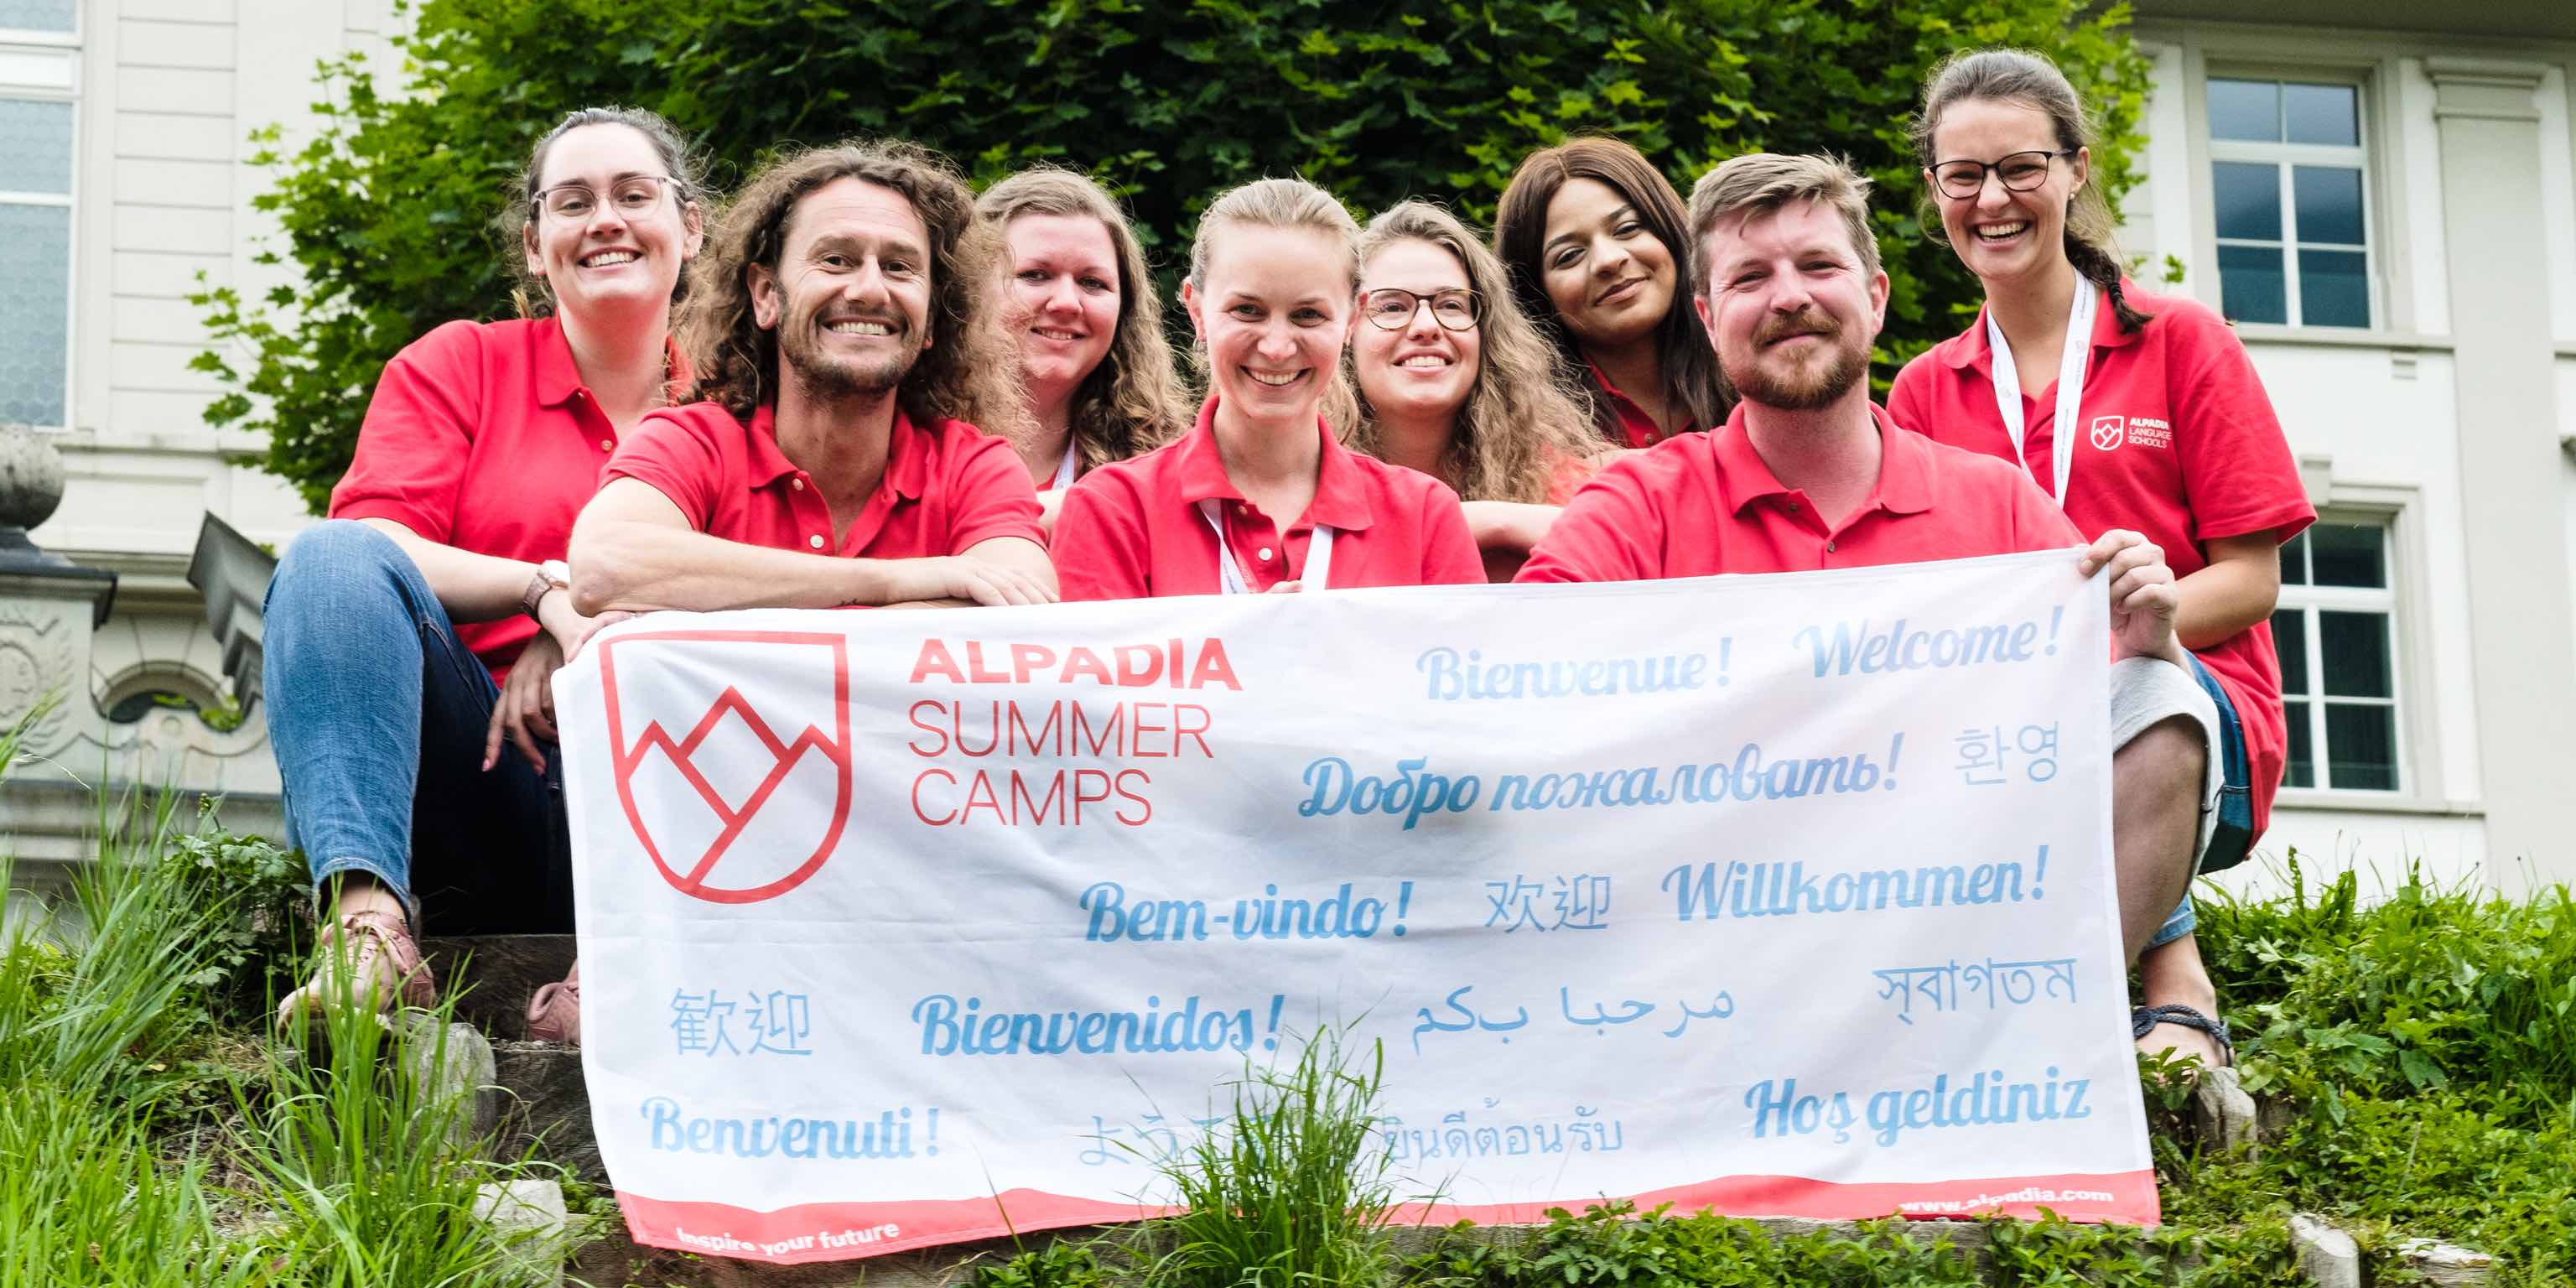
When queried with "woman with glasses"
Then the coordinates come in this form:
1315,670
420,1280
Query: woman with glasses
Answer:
1596,241
1455,382
1095,366
1258,496
410,637
2131,411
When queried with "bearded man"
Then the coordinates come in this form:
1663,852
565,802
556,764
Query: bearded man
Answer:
841,341
1808,473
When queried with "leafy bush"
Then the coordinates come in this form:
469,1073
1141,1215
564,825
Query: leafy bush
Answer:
387,208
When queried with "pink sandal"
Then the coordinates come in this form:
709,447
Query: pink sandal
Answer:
554,1014
353,945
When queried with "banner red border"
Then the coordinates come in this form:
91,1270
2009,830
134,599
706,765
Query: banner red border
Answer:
716,1228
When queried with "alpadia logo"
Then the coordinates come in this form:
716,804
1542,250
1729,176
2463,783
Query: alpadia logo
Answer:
2107,431
736,800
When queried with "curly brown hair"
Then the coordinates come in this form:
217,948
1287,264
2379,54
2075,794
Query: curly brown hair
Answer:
1692,383
1522,418
971,370
1133,401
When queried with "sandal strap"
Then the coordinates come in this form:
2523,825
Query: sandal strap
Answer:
2145,1018
387,933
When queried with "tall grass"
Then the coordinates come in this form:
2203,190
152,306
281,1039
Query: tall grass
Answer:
349,1166
1292,1189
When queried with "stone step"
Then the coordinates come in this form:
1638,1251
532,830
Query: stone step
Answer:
500,973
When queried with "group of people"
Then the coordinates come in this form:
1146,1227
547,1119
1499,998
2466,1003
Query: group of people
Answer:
863,384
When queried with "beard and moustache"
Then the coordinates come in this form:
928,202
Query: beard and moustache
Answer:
825,379
1792,385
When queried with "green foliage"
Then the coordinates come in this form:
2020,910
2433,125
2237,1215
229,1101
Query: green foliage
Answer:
1610,1244
387,207
1289,1189
1061,1263
255,952
2430,987
2426,1044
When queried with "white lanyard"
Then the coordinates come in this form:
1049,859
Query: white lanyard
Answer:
1229,575
2067,435
1064,472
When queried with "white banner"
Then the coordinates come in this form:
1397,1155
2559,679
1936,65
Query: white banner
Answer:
1787,895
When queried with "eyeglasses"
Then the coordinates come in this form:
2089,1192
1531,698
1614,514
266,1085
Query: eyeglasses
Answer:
632,195
1392,308
2020,171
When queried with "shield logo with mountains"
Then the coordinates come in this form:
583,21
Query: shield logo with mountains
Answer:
743,797
2108,431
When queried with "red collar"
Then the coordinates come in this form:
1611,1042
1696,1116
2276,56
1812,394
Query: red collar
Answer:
907,467
558,378
1341,495
1904,468
1970,349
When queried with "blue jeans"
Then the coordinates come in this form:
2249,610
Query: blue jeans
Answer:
378,712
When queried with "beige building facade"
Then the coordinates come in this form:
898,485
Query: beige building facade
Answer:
2382,195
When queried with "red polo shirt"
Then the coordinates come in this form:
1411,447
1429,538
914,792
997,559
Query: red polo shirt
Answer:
480,436
2183,447
1636,428
1705,504
944,488
1132,529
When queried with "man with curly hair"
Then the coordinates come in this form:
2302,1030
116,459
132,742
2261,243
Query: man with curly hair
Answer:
844,336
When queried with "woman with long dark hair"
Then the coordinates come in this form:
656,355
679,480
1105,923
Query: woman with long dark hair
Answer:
1599,251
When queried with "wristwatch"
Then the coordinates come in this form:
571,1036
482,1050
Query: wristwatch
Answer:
553,574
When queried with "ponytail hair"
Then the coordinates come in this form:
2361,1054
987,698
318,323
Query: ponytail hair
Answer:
2032,81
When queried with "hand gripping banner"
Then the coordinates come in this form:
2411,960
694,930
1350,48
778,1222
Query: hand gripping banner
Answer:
1786,895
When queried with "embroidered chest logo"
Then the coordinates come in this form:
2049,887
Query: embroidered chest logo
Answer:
2109,432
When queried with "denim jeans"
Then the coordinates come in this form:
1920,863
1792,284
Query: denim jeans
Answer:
378,712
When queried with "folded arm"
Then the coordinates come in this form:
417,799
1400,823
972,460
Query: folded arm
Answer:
634,551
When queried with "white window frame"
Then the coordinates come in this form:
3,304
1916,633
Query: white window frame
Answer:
2282,157
45,67
2394,601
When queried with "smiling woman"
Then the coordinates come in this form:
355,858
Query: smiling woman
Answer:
1094,364
1260,496
411,638
1593,235
1456,382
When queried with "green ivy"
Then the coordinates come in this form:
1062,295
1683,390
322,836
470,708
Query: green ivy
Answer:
386,206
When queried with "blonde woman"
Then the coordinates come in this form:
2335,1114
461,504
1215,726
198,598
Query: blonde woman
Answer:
1455,381
1259,496
1079,300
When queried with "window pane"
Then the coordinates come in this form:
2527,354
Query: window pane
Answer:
2361,747
35,145
2334,288
35,312
2329,203
2354,650
2290,638
2322,114
2349,554
2245,110
2250,286
2294,559
37,15
2249,200
2302,769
